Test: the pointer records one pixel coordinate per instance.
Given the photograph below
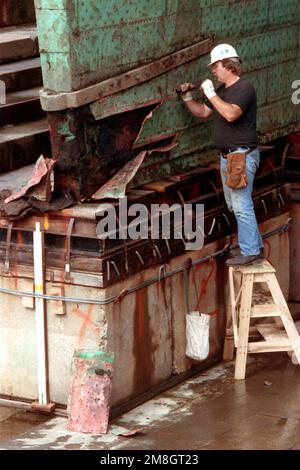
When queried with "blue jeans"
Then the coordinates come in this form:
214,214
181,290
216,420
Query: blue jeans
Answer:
240,202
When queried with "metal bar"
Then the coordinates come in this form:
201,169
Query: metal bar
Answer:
60,101
38,253
68,248
7,251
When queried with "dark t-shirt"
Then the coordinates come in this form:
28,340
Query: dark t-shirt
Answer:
242,131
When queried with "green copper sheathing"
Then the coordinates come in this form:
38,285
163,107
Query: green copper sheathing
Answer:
83,42
107,37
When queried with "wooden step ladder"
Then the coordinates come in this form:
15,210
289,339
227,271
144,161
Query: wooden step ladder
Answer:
280,335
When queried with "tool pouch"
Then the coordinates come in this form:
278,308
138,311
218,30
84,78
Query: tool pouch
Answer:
235,172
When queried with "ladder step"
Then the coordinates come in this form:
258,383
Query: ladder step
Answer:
272,332
257,268
269,346
265,310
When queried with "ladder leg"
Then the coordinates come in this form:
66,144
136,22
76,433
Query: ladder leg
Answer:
228,350
244,325
285,316
233,306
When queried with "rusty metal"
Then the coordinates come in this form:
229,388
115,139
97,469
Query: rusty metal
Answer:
39,184
8,246
117,259
116,187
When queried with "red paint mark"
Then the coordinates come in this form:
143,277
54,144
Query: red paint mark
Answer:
19,237
140,312
87,321
214,313
203,285
204,282
158,288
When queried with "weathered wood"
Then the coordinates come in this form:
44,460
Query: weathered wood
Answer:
244,323
279,336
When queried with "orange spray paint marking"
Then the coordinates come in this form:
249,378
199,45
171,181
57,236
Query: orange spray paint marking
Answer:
46,222
204,283
87,321
214,313
140,312
19,238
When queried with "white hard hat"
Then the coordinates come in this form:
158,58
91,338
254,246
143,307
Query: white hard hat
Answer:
222,51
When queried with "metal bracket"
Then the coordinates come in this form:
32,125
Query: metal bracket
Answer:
226,218
265,207
115,268
168,245
68,249
108,263
212,226
108,270
121,296
156,251
7,248
140,257
162,272
281,198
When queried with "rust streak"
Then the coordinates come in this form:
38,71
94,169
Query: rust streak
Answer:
140,313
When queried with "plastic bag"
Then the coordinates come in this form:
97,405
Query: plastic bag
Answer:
197,336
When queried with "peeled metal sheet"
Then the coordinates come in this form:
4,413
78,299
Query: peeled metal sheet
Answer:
39,183
116,186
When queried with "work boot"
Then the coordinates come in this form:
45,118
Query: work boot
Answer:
237,252
243,260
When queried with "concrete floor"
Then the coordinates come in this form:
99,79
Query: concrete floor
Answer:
210,411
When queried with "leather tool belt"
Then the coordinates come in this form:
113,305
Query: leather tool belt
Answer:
235,172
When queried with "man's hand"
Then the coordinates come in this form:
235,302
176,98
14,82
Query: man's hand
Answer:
208,88
185,91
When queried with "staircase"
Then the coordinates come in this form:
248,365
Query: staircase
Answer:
24,131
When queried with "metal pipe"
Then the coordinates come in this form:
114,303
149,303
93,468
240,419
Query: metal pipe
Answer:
23,405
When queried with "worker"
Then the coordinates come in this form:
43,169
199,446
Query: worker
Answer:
233,106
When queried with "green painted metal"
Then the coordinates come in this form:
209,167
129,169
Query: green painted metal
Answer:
101,356
83,42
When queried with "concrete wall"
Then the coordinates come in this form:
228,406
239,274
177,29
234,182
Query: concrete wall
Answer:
145,330
294,294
